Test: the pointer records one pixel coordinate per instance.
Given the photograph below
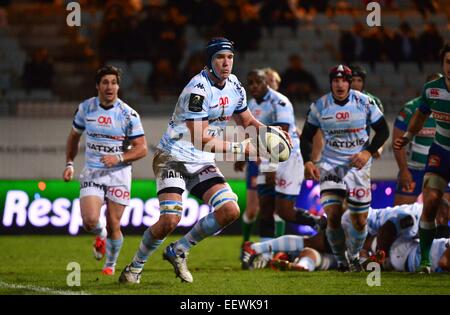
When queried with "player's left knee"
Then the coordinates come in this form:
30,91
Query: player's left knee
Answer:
230,211
225,200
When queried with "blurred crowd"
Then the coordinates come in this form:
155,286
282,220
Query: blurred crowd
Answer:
377,44
154,31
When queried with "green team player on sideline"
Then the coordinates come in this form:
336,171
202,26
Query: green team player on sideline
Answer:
412,160
436,100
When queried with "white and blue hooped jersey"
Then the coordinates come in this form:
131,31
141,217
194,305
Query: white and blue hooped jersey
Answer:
405,218
106,129
344,127
201,99
276,109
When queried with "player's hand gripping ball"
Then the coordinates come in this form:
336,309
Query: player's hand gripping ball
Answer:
274,141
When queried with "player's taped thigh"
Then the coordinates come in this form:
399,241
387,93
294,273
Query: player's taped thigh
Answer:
221,197
434,181
173,207
331,199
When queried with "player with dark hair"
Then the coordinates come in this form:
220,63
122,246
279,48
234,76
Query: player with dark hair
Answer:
114,139
411,161
436,100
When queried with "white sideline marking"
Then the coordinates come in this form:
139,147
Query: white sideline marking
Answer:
41,289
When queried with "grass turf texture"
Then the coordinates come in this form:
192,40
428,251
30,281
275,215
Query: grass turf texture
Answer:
41,261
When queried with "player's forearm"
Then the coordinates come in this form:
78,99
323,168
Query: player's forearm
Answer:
400,155
246,119
318,144
417,122
136,153
73,142
381,135
306,141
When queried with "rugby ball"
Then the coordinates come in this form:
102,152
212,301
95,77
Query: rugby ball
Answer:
275,143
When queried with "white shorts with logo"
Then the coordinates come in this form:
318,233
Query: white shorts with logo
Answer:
171,173
355,182
112,184
289,175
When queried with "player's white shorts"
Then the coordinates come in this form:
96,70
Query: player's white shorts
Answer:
355,182
114,184
289,175
402,254
175,176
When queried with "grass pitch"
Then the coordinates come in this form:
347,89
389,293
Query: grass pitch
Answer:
37,265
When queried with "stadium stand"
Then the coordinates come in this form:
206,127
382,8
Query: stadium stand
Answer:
142,33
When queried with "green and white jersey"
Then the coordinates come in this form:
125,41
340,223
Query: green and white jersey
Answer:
417,150
436,100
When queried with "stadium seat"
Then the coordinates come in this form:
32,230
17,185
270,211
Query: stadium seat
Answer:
282,32
409,68
431,67
320,20
5,81
41,95
141,70
384,68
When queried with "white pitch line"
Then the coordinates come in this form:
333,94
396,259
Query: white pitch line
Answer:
38,289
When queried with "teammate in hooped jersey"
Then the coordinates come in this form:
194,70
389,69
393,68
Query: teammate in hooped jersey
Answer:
114,139
436,100
278,184
187,151
343,115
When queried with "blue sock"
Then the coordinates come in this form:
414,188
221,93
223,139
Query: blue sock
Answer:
148,245
207,226
112,251
285,243
336,239
355,241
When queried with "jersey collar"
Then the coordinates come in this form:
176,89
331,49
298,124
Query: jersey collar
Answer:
97,102
205,74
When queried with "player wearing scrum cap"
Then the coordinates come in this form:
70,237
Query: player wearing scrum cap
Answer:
185,160
343,115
